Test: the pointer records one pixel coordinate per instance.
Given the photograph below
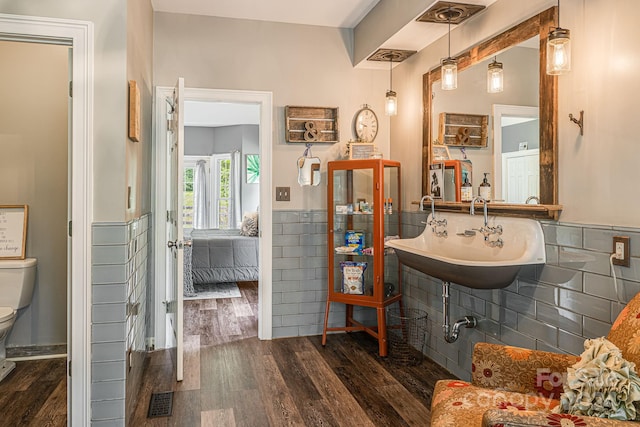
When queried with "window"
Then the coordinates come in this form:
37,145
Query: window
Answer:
222,199
189,166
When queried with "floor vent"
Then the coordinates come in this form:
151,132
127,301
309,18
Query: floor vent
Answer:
161,405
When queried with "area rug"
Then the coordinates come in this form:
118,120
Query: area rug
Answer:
216,291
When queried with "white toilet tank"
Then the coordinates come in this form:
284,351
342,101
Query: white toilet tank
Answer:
17,280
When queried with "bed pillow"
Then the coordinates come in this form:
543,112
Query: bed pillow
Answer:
249,226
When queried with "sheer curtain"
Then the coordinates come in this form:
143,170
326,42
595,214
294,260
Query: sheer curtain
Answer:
200,196
235,189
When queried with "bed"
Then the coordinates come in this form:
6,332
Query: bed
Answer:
218,256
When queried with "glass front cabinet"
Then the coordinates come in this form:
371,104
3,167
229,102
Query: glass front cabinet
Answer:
364,208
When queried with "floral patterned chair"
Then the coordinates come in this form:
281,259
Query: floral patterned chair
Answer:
513,386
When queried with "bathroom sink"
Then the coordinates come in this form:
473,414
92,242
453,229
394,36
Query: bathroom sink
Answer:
463,256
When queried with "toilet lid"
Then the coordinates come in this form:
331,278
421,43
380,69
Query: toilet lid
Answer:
6,313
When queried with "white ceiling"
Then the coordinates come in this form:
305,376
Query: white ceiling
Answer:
213,114
326,13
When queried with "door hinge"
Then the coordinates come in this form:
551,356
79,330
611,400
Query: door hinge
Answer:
71,89
70,228
168,216
69,368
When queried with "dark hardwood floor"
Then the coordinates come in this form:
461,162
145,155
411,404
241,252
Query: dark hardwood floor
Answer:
234,379
35,394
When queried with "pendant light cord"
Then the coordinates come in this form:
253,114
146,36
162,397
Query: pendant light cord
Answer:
449,22
558,14
391,72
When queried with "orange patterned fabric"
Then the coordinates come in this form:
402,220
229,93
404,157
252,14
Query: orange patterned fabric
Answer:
458,403
495,418
625,332
519,369
515,386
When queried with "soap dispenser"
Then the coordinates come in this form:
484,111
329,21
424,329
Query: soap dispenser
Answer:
484,190
466,191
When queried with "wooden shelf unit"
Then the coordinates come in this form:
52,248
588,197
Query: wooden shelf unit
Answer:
372,181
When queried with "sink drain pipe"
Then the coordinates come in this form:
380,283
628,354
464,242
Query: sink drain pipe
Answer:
466,321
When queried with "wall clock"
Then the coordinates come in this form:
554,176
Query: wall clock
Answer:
366,124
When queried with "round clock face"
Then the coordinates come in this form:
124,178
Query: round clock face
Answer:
366,125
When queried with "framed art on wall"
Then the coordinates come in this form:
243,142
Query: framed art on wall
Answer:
253,168
13,231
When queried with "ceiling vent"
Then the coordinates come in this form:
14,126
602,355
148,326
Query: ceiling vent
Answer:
444,12
390,55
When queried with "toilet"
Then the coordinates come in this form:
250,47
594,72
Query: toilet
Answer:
17,280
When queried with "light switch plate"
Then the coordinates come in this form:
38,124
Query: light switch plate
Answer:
283,194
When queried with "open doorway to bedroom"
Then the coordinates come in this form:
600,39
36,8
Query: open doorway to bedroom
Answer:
221,193
258,215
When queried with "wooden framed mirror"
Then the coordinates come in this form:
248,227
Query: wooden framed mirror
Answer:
536,27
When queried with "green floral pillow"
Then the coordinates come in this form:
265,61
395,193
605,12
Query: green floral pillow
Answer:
601,384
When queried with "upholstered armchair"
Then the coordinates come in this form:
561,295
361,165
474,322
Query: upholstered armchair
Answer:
513,386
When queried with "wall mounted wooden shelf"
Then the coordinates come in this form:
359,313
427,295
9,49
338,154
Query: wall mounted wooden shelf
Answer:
310,125
463,130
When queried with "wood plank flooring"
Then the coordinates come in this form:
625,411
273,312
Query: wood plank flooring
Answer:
35,394
234,379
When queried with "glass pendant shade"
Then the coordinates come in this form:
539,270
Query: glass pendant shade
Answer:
495,77
391,104
449,74
558,52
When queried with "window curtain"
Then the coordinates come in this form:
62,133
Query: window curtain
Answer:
236,218
200,196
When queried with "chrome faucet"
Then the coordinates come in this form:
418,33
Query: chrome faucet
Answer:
487,230
472,210
530,198
433,222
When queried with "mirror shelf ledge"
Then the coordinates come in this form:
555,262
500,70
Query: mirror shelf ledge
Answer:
535,211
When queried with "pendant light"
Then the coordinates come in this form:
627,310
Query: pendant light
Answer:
449,65
495,77
558,49
391,101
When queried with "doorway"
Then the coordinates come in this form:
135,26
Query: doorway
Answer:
78,36
264,101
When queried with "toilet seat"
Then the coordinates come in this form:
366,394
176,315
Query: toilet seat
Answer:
6,313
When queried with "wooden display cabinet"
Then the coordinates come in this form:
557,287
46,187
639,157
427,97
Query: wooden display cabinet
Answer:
358,194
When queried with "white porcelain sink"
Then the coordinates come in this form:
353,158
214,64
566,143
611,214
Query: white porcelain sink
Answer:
466,259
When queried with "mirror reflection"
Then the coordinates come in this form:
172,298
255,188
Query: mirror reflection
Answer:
511,155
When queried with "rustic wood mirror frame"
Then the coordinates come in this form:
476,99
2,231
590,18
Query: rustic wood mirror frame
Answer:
537,25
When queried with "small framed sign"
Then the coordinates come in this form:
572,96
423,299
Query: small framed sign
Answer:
361,150
13,231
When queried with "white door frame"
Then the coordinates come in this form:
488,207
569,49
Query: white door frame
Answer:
500,110
79,35
265,100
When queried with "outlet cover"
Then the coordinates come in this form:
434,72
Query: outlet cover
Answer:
625,261
283,194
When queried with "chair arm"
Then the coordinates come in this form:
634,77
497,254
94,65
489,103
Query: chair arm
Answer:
520,369
496,417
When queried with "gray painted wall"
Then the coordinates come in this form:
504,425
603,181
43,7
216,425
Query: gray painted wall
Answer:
33,171
198,141
513,135
241,54
110,92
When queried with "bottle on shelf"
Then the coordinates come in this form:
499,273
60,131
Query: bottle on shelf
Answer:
484,190
466,190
